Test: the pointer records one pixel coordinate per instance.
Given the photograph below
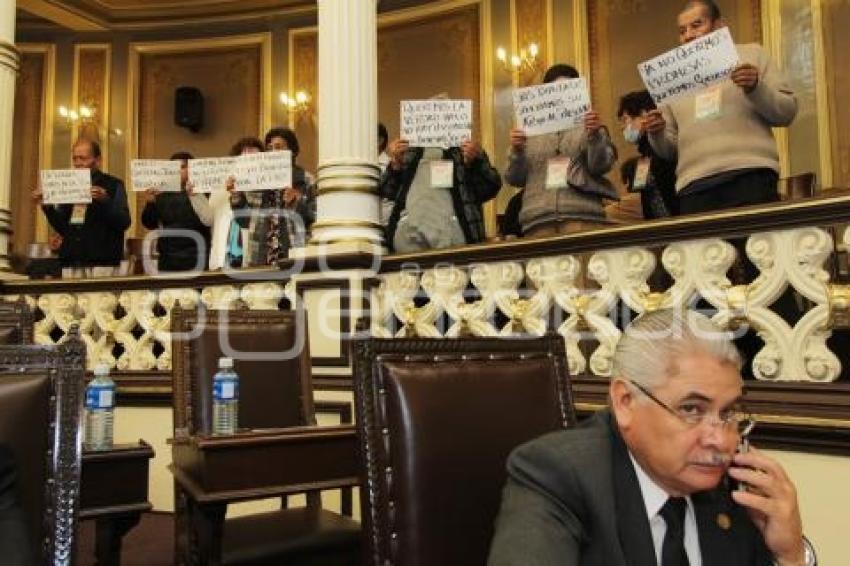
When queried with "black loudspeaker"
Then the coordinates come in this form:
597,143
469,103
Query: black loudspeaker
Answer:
189,108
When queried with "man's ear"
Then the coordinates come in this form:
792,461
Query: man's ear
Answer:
622,401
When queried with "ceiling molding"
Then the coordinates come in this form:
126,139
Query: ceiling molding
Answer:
62,14
137,15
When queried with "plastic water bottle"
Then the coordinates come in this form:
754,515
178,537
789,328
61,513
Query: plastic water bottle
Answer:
100,405
225,398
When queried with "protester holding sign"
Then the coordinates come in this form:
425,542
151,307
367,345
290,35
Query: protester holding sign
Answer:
721,134
92,233
648,174
226,247
277,218
562,170
184,213
438,195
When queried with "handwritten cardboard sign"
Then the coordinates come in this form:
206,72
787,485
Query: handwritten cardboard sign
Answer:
210,174
551,107
66,186
261,171
436,123
691,67
159,174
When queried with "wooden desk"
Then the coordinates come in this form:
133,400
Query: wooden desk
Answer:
114,493
212,471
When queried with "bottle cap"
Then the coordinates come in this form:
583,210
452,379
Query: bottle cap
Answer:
101,370
225,363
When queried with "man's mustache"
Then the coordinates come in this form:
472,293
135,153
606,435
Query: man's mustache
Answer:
714,459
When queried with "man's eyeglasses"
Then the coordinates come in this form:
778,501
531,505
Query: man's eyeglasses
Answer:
694,413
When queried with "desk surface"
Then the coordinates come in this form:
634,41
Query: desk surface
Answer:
101,495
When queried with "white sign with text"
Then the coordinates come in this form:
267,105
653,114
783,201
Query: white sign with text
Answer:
436,123
210,174
551,107
691,67
261,171
159,174
66,186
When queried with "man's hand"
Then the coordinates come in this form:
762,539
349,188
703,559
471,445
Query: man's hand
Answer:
592,123
655,122
99,194
37,195
230,184
518,140
771,501
150,195
470,150
396,151
290,196
190,188
746,77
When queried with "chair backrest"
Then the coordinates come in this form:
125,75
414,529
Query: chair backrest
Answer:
16,322
437,419
798,186
41,402
270,355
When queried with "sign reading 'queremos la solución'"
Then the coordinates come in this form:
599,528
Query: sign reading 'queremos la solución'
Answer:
436,122
691,67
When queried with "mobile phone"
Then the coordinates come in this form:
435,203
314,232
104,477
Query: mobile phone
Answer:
743,448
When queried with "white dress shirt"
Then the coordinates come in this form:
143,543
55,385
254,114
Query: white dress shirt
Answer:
654,498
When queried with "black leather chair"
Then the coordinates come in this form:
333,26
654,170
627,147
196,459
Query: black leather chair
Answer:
437,419
16,322
41,402
277,452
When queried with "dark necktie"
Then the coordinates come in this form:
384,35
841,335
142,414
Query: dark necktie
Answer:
673,549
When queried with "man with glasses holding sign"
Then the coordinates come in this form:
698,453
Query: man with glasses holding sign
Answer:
649,481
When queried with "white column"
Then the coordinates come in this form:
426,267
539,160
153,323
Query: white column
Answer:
347,180
9,65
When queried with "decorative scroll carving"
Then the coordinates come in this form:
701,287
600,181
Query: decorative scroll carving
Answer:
129,330
581,298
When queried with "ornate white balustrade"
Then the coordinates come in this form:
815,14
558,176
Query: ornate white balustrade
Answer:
588,297
129,330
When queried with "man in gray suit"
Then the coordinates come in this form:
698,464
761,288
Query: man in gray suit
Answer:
646,482
14,541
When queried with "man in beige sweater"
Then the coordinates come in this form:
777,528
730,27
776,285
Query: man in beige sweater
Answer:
722,136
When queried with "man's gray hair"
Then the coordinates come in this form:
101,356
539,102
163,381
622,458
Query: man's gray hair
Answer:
652,343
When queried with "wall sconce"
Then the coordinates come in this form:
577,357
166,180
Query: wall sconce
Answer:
524,62
84,113
298,104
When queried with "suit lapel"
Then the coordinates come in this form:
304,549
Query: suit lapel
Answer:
719,528
632,523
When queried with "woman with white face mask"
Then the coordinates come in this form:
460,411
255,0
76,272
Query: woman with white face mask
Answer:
648,174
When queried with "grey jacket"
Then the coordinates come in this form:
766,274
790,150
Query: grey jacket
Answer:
573,499
592,158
